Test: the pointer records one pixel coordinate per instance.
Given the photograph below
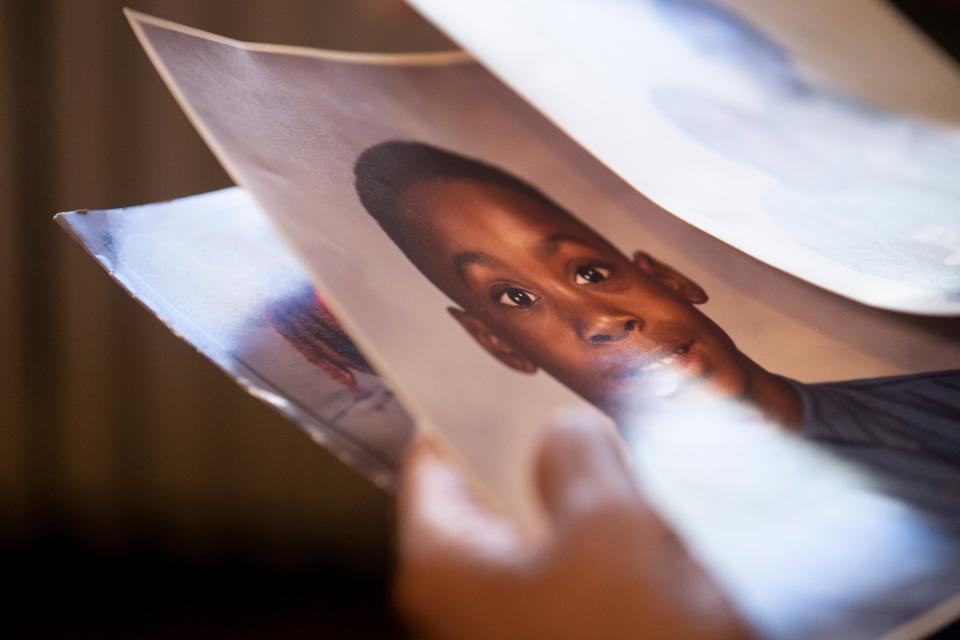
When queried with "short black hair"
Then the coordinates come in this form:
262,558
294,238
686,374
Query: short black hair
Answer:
383,171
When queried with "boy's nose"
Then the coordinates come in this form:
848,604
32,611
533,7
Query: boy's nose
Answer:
610,328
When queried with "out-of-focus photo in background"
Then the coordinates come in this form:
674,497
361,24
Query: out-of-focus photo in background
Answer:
143,492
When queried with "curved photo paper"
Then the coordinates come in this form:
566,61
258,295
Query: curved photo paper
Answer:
804,446
212,269
821,137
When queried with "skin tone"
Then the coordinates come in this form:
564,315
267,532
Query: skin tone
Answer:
537,289
609,570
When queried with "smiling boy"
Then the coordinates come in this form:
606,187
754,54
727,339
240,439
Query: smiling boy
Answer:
537,288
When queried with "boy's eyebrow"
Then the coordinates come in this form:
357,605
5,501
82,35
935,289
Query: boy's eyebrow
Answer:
548,246
466,259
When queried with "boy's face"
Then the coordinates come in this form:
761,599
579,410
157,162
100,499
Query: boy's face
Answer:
539,289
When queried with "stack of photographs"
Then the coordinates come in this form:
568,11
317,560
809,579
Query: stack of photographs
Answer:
729,279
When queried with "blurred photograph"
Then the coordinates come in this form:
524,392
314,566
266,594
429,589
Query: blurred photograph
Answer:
227,285
860,185
822,138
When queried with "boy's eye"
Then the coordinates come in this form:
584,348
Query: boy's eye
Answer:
591,274
516,297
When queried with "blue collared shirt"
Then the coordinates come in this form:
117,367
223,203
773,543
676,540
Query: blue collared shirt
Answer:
904,431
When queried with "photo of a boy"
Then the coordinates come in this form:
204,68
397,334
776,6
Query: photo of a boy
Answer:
539,289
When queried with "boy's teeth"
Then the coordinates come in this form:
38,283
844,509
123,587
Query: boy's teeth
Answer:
662,362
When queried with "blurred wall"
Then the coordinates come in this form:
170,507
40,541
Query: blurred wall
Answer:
115,435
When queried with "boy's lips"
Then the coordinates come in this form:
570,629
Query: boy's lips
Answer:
666,359
663,358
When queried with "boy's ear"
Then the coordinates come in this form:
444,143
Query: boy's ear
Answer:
670,278
490,341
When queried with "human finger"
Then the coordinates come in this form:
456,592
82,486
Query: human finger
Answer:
581,470
455,556
438,513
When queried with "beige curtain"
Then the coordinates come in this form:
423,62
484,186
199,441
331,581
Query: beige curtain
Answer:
113,430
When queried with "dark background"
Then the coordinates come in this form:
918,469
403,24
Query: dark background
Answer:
143,494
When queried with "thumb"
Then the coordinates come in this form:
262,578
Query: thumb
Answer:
581,470
440,519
